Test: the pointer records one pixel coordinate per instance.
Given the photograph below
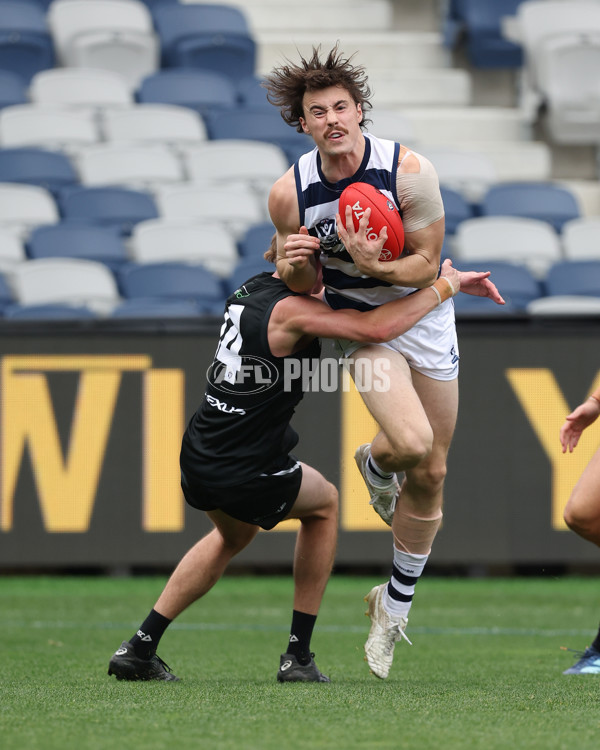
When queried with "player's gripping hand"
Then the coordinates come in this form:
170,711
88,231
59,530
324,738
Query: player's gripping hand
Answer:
365,252
300,248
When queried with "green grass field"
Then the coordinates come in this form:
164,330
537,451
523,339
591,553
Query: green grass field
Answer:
485,670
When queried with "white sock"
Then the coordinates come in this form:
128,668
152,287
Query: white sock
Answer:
376,475
406,572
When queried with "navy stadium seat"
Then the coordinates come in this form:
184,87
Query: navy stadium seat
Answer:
13,89
245,269
151,307
260,124
211,36
6,295
118,207
256,240
36,166
25,43
535,200
49,312
71,240
574,277
481,23
202,90
171,281
251,93
456,208
515,283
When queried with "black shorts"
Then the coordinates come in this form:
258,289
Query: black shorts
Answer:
263,501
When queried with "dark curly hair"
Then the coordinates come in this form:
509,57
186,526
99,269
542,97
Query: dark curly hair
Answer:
287,84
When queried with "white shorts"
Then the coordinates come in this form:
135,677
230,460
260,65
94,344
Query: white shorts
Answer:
429,347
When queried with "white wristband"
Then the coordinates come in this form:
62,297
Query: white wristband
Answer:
437,294
447,280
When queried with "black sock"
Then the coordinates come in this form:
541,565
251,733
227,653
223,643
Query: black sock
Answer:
145,641
300,635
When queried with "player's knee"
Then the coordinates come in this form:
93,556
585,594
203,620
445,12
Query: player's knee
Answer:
410,450
430,478
579,522
235,541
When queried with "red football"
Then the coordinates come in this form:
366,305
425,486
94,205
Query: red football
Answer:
360,196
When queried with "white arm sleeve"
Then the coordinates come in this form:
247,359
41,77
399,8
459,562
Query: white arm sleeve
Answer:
419,195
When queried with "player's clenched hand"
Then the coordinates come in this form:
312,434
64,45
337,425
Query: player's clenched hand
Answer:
365,252
576,422
299,248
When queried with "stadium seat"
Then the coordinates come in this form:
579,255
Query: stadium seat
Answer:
153,123
25,206
6,295
60,280
353,16
256,240
48,312
109,206
137,166
235,207
52,127
145,308
203,90
260,124
256,164
107,34
187,241
513,161
85,87
581,238
246,269
421,87
35,166
25,42
456,208
574,277
569,82
515,283
563,306
13,89
251,93
391,124
516,239
534,200
178,281
470,173
12,248
71,240
209,36
481,24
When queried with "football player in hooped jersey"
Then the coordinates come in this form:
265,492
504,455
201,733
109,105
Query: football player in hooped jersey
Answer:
236,463
328,98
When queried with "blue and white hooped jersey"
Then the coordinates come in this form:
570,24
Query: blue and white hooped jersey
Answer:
318,201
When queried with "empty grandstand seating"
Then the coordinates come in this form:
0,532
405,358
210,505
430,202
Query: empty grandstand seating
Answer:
515,282
35,166
566,305
6,295
456,208
107,34
60,280
112,206
256,240
25,42
546,201
138,166
206,91
481,24
235,207
471,173
79,87
246,269
12,248
71,240
581,239
52,312
527,241
574,277
153,123
13,89
185,240
53,127
206,35
426,86
178,281
25,206
151,308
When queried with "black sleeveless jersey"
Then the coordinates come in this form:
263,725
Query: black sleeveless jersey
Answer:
242,427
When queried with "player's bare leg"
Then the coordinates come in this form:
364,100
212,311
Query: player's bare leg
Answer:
582,512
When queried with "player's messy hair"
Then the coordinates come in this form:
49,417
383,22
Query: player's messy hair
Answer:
287,84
